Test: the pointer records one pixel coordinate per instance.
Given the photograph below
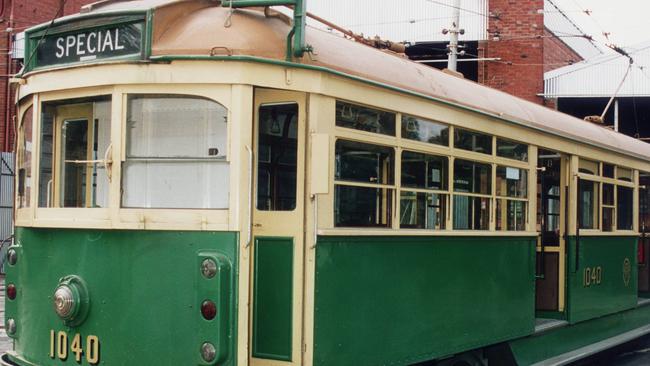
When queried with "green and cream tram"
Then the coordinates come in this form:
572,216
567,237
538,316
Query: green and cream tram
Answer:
216,184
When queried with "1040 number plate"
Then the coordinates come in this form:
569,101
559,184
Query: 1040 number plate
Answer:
74,346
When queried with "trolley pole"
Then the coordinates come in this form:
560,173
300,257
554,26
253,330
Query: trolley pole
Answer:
452,63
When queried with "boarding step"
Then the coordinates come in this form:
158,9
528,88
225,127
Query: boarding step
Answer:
642,302
544,325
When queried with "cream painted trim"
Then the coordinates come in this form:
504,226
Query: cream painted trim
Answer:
417,232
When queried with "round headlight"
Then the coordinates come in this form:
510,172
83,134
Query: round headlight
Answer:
208,268
65,303
12,256
11,326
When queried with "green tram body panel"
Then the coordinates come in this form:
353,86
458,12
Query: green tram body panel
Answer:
401,300
145,290
612,290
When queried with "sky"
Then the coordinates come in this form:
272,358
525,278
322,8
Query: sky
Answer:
626,20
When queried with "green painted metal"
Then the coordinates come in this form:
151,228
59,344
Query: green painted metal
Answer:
497,116
549,344
617,289
145,290
402,300
273,298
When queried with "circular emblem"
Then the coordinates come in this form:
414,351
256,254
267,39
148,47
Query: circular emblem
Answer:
627,271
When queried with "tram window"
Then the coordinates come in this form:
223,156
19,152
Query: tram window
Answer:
420,210
512,182
365,119
624,208
588,204
365,163
624,174
277,160
362,206
175,153
608,171
511,215
25,158
473,141
418,129
588,167
608,206
471,212
512,150
472,177
75,135
424,171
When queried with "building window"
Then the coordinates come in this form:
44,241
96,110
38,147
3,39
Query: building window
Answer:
512,150
365,119
175,153
472,195
25,158
418,129
424,194
277,159
473,141
512,196
364,176
75,136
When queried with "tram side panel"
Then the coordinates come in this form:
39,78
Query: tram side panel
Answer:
143,297
401,300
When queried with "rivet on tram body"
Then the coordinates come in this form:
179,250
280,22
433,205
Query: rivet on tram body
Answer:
11,326
208,352
12,256
208,268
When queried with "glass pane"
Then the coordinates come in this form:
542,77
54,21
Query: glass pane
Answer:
588,167
624,174
473,141
608,218
424,171
418,129
608,171
511,215
359,162
644,201
365,119
277,158
82,129
25,158
471,213
624,208
176,153
423,210
512,182
362,207
588,204
608,194
472,177
512,150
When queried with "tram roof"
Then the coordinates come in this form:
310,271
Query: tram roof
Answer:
196,28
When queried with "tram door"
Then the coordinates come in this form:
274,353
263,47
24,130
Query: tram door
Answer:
278,233
552,192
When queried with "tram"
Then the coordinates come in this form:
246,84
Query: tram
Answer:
215,183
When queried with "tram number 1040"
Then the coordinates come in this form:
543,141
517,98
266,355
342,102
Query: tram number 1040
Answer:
60,343
592,276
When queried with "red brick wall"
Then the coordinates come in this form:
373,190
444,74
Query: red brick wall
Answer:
20,15
516,36
557,53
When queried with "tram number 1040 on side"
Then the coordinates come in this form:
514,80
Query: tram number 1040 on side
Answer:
60,344
592,276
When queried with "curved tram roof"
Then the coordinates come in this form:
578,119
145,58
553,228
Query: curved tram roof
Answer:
196,28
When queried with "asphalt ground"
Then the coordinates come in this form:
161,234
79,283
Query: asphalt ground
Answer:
635,353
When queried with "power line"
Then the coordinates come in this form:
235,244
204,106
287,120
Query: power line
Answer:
458,7
47,31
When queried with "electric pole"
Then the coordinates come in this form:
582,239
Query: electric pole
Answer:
453,37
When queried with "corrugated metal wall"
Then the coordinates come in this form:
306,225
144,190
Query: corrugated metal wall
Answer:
410,20
6,202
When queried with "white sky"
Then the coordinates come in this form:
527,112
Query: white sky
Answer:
628,21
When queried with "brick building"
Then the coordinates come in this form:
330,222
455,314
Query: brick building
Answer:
15,17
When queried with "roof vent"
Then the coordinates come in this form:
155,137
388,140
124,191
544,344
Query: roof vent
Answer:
595,119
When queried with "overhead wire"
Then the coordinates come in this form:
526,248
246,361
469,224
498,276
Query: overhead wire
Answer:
47,31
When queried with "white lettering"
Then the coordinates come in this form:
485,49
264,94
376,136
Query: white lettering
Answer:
117,40
99,42
69,43
108,42
60,51
80,44
90,44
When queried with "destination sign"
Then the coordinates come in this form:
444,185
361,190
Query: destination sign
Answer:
117,41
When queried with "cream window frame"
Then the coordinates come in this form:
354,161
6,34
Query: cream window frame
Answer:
508,198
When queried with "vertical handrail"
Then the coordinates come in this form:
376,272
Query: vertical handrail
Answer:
541,272
578,220
249,233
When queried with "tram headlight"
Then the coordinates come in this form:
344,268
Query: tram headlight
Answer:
12,256
65,302
11,326
208,352
208,268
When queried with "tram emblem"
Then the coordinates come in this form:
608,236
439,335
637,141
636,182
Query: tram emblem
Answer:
627,272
